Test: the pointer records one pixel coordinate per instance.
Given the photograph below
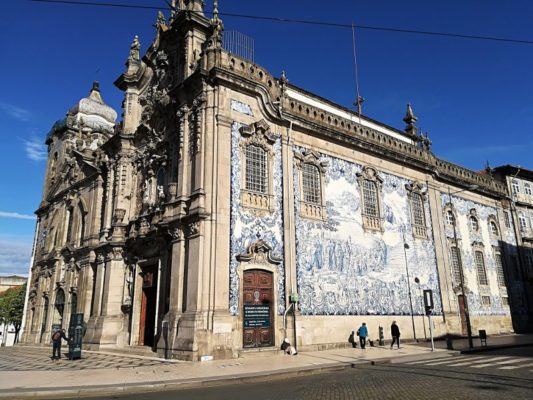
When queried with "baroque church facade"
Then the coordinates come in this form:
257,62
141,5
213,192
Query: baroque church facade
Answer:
230,209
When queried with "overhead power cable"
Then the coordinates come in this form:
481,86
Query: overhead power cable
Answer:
307,22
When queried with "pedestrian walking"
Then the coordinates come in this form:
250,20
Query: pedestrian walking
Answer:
362,332
56,343
351,339
395,333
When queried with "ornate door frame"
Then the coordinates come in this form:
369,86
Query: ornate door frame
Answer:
259,257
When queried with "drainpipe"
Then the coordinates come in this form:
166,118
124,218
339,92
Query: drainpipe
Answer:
285,319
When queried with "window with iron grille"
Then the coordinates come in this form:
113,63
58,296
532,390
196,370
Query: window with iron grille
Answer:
499,268
456,265
480,266
370,199
485,301
418,210
311,184
256,169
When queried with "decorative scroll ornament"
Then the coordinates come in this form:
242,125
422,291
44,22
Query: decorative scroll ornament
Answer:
258,252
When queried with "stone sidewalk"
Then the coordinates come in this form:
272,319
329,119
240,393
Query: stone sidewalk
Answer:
28,372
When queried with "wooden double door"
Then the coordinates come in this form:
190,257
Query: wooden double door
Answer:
258,321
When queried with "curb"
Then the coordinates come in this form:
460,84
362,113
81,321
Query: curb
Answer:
142,387
189,383
494,347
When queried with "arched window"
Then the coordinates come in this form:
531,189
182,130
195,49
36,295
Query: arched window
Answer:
474,225
45,314
82,227
73,303
493,228
160,182
69,224
370,199
450,218
60,302
311,184
480,266
256,169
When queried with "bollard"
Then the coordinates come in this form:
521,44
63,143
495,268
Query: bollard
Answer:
449,342
381,337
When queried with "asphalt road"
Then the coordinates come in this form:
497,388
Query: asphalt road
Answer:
498,374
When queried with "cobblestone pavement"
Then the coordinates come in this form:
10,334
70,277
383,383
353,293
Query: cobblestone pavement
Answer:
404,381
38,359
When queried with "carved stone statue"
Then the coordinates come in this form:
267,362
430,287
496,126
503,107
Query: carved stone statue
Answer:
135,49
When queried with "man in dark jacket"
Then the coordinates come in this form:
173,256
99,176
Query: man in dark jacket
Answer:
395,333
56,343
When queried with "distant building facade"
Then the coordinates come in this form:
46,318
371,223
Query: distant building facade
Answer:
7,331
230,209
519,183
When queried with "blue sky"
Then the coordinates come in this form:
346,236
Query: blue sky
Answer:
475,98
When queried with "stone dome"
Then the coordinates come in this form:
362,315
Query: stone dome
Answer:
92,113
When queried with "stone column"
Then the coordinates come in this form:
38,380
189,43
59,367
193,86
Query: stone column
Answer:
109,202
441,248
112,316
289,233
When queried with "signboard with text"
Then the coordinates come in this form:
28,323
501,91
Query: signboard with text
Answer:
256,315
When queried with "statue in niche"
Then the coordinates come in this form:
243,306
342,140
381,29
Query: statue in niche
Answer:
160,192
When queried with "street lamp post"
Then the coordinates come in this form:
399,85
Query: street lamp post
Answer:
417,281
405,247
460,262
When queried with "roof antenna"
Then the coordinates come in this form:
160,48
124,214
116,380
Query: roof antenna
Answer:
358,103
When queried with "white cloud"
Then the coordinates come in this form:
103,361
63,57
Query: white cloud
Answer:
35,149
6,214
16,112
14,256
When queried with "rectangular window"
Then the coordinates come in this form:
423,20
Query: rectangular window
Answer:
527,189
256,169
507,219
516,187
499,268
523,223
505,301
480,266
311,184
370,199
485,301
456,265
418,209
